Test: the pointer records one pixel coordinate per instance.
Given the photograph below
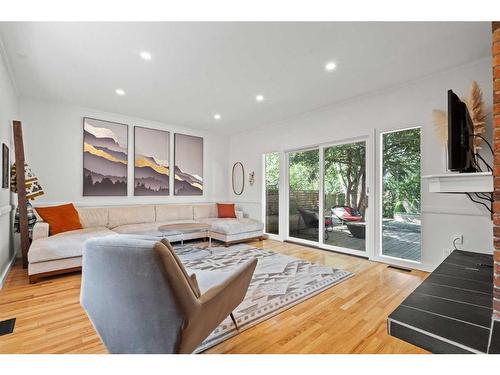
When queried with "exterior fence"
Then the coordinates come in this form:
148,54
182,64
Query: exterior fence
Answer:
307,199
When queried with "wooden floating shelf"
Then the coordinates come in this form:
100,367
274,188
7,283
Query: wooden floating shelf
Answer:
478,182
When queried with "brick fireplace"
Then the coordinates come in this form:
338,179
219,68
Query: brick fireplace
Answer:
496,133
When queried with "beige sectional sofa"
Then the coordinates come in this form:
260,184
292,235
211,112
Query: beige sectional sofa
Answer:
62,252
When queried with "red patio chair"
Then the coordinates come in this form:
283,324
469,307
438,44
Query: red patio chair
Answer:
347,214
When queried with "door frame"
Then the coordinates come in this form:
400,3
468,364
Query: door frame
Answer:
377,255
369,216
374,193
286,235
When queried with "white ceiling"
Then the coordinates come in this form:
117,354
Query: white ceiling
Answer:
199,69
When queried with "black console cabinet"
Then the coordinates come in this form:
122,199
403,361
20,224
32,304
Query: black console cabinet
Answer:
451,311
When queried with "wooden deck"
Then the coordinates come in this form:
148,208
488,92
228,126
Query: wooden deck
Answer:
399,240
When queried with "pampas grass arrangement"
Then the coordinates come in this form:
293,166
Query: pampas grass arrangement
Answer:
477,113
475,106
440,119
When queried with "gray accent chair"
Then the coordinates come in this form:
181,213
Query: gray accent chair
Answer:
140,298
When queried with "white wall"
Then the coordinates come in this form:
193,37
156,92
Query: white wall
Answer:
405,106
8,111
53,146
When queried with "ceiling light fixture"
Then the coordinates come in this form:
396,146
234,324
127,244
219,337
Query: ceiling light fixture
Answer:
145,55
217,116
259,98
120,92
330,66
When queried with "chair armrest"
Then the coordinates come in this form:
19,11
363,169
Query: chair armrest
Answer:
239,214
40,230
215,305
232,288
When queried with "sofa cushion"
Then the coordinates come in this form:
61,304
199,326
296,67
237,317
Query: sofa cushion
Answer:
92,217
146,228
233,226
131,215
63,245
40,230
226,211
170,212
236,237
204,211
61,218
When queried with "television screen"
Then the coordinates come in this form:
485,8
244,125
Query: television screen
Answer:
460,141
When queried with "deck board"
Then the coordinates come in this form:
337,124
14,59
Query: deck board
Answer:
399,239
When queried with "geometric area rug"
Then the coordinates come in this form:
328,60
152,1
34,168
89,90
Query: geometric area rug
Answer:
278,283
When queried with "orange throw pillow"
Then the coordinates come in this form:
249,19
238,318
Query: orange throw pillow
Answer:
61,218
225,210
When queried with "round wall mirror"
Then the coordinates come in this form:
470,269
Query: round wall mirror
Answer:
238,178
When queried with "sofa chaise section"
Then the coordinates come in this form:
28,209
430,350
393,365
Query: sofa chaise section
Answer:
232,231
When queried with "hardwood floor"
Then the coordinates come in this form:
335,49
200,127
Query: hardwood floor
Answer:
347,318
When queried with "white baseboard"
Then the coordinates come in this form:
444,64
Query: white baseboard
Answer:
6,271
4,210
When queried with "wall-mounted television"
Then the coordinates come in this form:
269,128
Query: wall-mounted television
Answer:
460,136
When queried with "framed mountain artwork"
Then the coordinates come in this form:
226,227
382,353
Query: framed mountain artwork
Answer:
188,155
151,161
105,157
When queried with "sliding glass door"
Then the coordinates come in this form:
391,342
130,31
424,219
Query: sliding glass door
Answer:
400,194
303,195
327,190
272,192
344,197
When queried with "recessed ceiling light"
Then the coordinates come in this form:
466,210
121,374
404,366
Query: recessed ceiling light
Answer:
145,55
120,92
259,98
330,66
217,116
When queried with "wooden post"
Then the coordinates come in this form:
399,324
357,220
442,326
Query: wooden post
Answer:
21,190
